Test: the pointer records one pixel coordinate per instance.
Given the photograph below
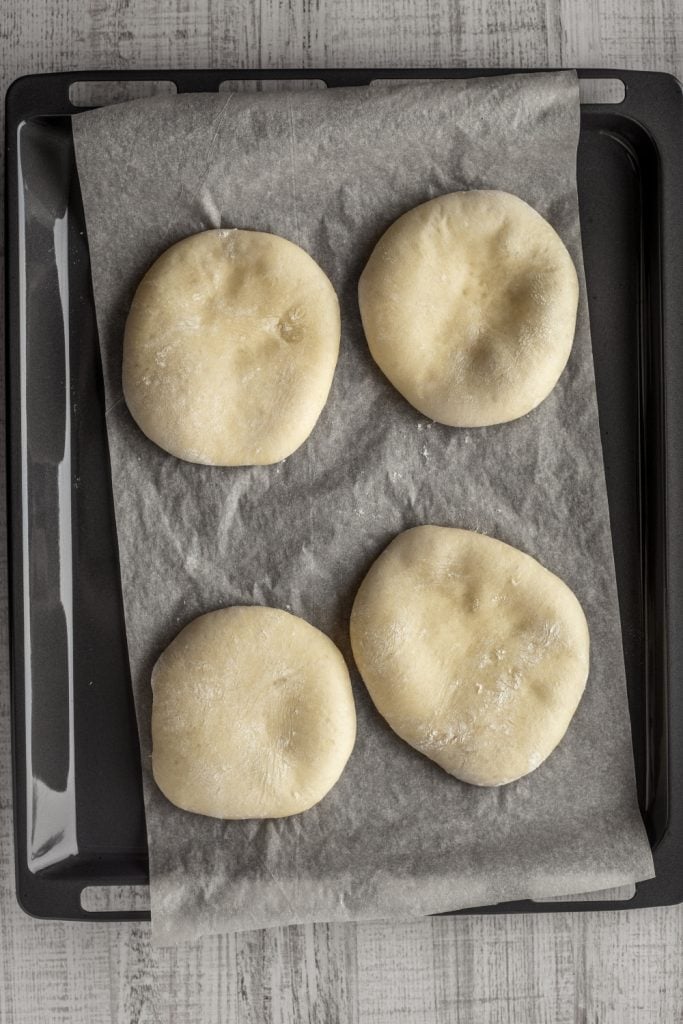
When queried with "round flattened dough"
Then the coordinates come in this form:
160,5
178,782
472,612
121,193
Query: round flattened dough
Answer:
252,716
230,348
469,307
473,652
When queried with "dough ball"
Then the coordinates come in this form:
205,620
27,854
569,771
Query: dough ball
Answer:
474,653
230,348
469,307
252,715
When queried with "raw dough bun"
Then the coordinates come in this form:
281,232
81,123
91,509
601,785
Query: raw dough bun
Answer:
469,307
473,652
252,717
230,348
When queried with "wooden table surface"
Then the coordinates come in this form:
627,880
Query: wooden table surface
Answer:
625,967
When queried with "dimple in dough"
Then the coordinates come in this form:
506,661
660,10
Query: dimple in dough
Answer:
474,653
469,307
230,348
252,716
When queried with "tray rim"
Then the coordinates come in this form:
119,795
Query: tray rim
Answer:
43,95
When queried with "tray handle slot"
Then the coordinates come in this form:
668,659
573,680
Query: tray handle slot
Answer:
115,899
100,93
602,90
270,84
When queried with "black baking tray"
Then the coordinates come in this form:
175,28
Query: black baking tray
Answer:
78,811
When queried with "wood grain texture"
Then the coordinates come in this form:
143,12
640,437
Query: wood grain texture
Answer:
626,967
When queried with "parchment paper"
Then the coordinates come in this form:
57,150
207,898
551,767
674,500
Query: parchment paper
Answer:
331,170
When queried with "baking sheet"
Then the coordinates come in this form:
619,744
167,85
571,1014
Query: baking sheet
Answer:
330,170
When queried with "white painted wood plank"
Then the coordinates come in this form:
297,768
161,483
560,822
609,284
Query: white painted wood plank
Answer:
625,968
